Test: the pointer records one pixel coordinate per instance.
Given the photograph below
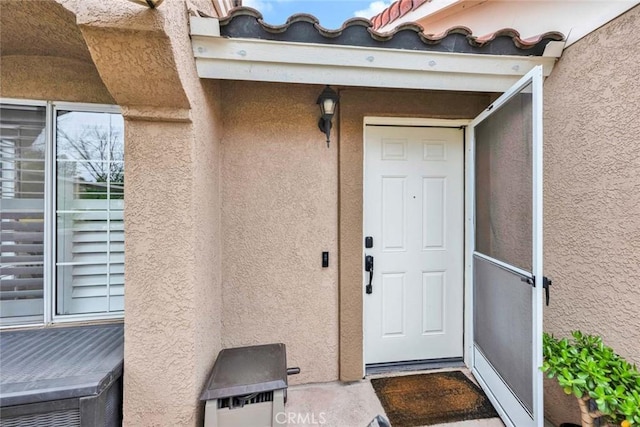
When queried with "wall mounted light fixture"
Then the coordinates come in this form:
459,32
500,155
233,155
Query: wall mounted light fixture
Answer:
327,100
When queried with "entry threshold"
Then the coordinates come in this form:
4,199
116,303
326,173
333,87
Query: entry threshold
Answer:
414,365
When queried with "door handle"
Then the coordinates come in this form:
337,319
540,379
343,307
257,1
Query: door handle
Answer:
368,266
546,283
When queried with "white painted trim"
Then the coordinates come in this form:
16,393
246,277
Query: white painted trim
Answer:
415,121
86,107
469,240
69,318
313,63
81,108
554,49
204,26
344,56
49,277
363,295
419,121
23,326
504,265
537,238
21,101
504,98
497,391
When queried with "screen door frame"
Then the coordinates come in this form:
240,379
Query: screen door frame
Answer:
507,405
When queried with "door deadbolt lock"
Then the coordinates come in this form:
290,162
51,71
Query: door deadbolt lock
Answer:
368,266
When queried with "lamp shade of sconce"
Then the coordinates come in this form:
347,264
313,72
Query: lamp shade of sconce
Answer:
328,101
149,3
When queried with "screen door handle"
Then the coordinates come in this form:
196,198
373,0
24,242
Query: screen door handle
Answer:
546,284
368,266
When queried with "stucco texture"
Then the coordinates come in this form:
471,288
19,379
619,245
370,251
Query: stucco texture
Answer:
172,217
138,64
44,57
592,192
172,304
355,105
279,214
51,78
43,28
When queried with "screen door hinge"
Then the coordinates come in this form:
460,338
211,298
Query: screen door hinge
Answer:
546,284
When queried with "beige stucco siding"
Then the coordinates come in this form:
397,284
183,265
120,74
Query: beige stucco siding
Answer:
279,214
51,78
280,211
172,224
173,298
592,190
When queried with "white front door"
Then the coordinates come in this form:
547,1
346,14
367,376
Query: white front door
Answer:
413,214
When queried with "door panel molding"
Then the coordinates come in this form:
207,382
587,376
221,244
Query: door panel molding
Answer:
430,164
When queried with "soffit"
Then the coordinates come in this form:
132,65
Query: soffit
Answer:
40,28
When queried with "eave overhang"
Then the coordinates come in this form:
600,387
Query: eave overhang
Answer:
253,59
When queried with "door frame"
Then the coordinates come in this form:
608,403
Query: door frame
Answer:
426,122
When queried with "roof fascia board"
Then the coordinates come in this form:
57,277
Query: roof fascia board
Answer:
204,27
275,61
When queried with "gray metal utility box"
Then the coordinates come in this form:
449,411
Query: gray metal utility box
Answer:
68,376
247,387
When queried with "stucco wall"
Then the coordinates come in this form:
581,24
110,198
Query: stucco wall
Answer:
592,191
280,211
279,214
172,321
172,225
51,78
354,106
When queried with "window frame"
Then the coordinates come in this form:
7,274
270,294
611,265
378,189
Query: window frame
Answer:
49,239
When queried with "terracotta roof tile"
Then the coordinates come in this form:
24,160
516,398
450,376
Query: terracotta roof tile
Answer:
418,3
303,28
400,8
385,18
512,34
394,11
406,6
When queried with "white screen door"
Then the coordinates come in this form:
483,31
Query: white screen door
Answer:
507,285
413,213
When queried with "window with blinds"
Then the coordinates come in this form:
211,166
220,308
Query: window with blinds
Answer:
89,212
79,172
22,176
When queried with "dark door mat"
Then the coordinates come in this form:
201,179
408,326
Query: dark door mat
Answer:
426,399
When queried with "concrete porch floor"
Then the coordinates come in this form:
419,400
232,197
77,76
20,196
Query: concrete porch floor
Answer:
350,404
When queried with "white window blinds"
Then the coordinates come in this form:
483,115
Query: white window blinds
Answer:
89,212
61,205
22,176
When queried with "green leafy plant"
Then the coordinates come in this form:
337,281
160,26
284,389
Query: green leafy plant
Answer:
605,385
